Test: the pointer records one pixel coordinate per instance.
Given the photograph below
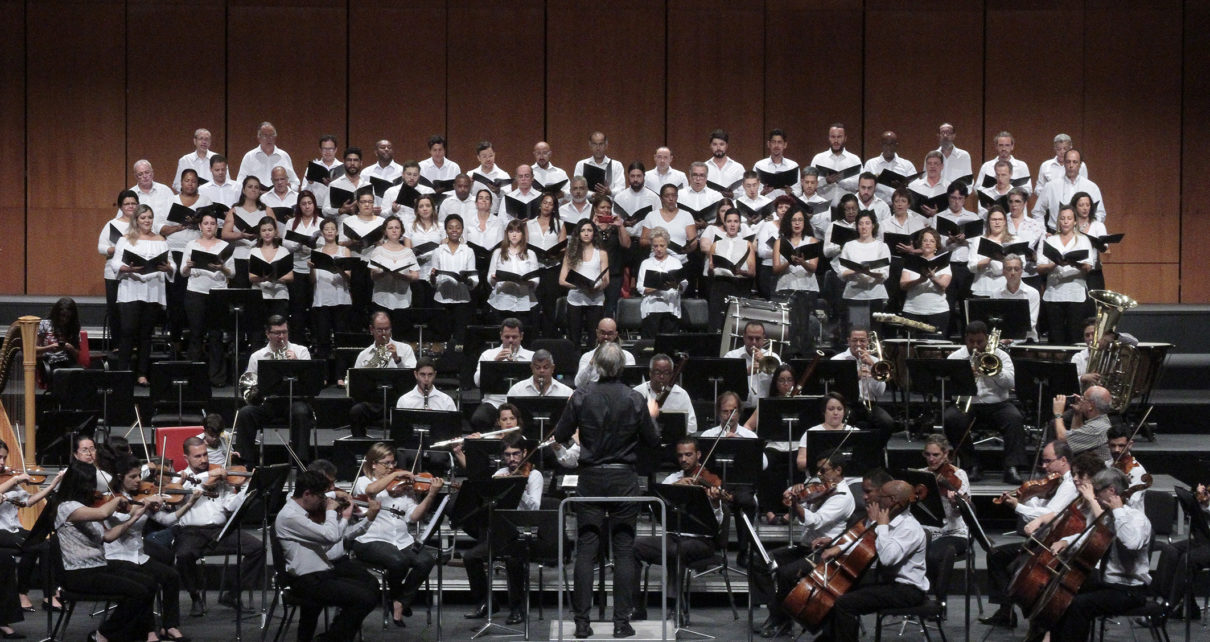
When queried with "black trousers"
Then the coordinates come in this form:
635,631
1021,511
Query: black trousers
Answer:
174,294
802,308
169,582
139,319
843,624
1094,600
958,292
1065,321
458,316
204,329
548,297
361,290
194,542
660,323
132,617
112,309
613,292
253,417
647,550
590,521
398,562
582,321
361,415
10,600
1174,560
301,292
792,564
1001,564
475,561
937,549
348,586
1004,417
329,319
13,543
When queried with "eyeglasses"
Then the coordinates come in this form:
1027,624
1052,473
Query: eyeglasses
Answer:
87,451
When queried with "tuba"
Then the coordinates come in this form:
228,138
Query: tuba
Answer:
1117,362
247,381
882,369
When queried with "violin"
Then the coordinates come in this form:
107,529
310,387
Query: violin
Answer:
1127,464
1041,487
947,477
1201,494
812,493
698,475
100,499
36,474
236,475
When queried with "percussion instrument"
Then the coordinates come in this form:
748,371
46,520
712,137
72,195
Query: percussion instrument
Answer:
775,316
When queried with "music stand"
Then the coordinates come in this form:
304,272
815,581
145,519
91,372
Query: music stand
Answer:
347,453
692,516
711,375
672,426
496,377
480,457
437,425
537,413
736,459
291,378
55,427
942,377
475,505
770,563
525,534
694,344
927,510
229,304
233,522
1010,315
188,381
433,530
1042,380
974,533
863,448
421,319
379,385
634,375
833,375
109,392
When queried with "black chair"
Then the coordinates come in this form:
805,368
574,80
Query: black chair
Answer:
69,598
180,391
934,608
290,600
1160,508
717,563
1164,583
695,315
630,317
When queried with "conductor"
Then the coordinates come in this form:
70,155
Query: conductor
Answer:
613,421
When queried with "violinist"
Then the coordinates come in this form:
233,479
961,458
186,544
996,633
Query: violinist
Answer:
1089,422
824,509
689,548
951,535
201,525
1121,447
1122,584
126,551
659,372
12,534
1056,461
388,542
308,526
727,411
352,523
475,559
425,396
900,547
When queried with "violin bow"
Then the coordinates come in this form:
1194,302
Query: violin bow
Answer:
722,430
138,423
230,442
1134,432
289,449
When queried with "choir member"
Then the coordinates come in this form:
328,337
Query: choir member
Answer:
1004,144
367,226
795,276
1061,192
547,177
178,236
454,277
141,292
260,160
615,175
865,288
1066,295
545,232
201,314
305,224
198,160
613,238
988,273
838,162
350,181
114,229
584,256
438,167
776,162
732,260
1088,225
1024,228
393,268
424,236
956,161
332,166
331,303
514,296
250,210
274,288
661,305
722,170
889,159
925,299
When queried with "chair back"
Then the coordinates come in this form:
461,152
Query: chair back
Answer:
1160,508
630,316
696,314
279,557
565,354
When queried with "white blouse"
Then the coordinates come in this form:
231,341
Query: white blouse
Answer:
506,295
796,277
1066,284
391,290
390,526
420,236
103,244
488,237
990,279
152,287
676,230
331,288
862,287
362,228
271,290
447,288
543,239
301,252
591,269
202,280
178,240
661,300
926,297
244,246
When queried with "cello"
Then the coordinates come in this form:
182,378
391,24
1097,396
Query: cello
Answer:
1030,581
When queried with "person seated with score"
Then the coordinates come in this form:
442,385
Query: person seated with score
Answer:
727,411
824,515
868,415
689,548
513,451
755,350
607,332
543,383
511,335
952,534
384,353
253,416
659,373
425,396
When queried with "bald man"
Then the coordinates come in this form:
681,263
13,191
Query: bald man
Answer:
890,159
281,195
385,168
197,160
607,332
1089,422
521,202
547,177
260,160
663,173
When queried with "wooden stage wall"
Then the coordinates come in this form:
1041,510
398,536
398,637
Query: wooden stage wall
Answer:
93,85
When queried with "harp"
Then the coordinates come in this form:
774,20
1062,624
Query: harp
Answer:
18,360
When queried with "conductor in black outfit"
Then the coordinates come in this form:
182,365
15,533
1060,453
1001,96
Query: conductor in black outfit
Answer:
614,421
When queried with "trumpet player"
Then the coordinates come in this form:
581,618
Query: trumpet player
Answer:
511,334
425,396
990,408
251,417
867,415
761,361
542,383
384,353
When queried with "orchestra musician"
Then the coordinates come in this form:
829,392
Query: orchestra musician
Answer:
867,415
425,396
1107,337
835,411
688,548
753,352
727,412
1015,287
543,382
824,511
952,534
60,343
1192,553
1056,462
309,527
388,542
253,416
511,335
140,296
217,440
513,452
607,332
385,352
1089,422
1121,446
990,407
198,528
1122,583
659,372
613,421
781,384
13,536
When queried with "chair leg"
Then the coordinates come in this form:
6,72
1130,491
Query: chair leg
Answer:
264,632
878,628
286,616
428,593
387,610
924,628
941,629
540,593
730,595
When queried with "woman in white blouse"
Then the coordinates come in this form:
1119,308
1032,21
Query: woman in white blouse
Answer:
661,306
585,305
305,224
454,277
202,279
274,292
835,410
724,282
832,287
865,288
988,273
1088,225
677,223
795,276
925,293
483,232
544,232
141,295
128,202
179,236
249,210
1024,227
1066,296
393,267
13,494
423,239
331,303
364,223
510,298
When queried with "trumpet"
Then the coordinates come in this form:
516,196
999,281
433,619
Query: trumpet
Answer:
882,369
487,435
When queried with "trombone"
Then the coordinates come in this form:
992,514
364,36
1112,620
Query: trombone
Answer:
763,363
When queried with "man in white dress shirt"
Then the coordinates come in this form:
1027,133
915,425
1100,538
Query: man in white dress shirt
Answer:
1004,144
875,417
350,182
525,193
426,396
956,162
460,202
723,171
488,171
385,352
867,186
659,374
1059,192
329,161
1014,288
511,334
542,383
546,176
607,332
615,174
437,167
253,416
261,160
755,348
281,195
385,168
156,195
198,160
834,184
663,173
219,189
1052,169
890,159
776,162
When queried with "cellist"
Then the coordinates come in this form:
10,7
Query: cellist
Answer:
1122,583
823,517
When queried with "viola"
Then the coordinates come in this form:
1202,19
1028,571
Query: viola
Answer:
1041,487
810,493
236,475
36,474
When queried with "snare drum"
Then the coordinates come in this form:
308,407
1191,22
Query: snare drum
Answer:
775,316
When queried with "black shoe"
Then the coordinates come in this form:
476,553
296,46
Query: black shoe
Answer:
622,630
232,600
757,628
776,628
638,614
197,610
515,617
1011,476
583,630
407,610
975,474
1005,616
13,636
480,612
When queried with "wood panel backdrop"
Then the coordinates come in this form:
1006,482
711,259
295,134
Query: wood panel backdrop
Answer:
90,86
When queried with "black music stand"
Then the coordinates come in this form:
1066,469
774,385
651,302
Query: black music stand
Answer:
974,533
737,460
537,413
863,448
789,418
432,533
692,516
482,457
1196,527
228,305
835,375
238,517
694,344
54,430
1010,315
525,534
410,427
496,377
347,453
710,376
266,496
672,426
634,375
379,385
928,509
1037,382
942,377
108,392
187,381
291,378
475,505
418,321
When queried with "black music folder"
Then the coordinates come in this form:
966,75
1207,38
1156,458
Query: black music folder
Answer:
987,200
114,234
920,265
407,195
669,280
381,185
997,252
551,254
339,197
989,180
950,228
582,281
727,264
492,183
939,202
204,259
438,186
400,269
369,238
334,264
721,188
145,265
553,188
462,277
895,180
708,213
520,209
282,214
595,176
866,267
786,178
242,224
513,277
317,173
754,214
182,215
280,266
424,248
841,234
805,252
1102,242
629,219
893,239
217,210
826,172
308,240
812,208
1058,257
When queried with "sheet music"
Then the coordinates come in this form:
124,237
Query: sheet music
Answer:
760,547
432,525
